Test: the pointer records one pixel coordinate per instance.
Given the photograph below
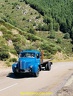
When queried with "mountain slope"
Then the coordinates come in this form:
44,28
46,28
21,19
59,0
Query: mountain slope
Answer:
19,14
59,11
22,27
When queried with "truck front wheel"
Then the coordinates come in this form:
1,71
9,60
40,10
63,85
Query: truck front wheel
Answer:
16,74
37,73
48,66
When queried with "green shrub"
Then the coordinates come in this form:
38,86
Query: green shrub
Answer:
59,49
52,35
43,27
59,41
31,30
4,55
3,29
32,37
21,0
34,24
37,17
4,51
6,0
7,36
2,21
47,19
23,18
13,60
14,5
16,38
13,51
6,33
67,36
56,26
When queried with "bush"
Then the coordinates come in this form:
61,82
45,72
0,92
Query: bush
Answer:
34,24
56,26
13,60
23,18
37,17
6,0
13,52
2,21
47,19
67,36
52,35
4,52
59,49
42,27
21,0
32,37
4,55
3,29
31,30
50,48
58,41
16,38
7,36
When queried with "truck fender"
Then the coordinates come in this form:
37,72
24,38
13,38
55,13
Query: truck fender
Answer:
35,69
14,67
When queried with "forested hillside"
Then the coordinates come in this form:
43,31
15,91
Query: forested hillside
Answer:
57,13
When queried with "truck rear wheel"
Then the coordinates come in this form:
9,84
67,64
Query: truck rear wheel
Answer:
48,66
40,68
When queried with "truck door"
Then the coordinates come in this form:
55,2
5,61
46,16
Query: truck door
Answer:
38,58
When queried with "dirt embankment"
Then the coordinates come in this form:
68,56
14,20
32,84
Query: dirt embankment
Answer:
4,70
67,90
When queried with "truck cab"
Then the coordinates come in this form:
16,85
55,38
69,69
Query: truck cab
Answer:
29,61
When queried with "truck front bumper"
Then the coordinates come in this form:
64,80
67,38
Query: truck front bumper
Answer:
23,71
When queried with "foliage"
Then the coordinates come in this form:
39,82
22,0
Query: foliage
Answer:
31,30
6,0
59,11
50,49
4,52
58,41
67,36
52,35
13,60
43,27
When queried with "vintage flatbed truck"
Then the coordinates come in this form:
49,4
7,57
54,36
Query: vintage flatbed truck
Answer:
30,61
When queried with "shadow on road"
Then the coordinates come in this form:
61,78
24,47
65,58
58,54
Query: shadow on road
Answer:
22,75
25,75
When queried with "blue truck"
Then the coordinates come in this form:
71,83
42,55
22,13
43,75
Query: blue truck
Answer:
30,61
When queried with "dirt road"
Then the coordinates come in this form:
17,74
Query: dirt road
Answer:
47,84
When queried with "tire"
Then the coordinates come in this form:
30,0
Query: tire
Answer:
48,66
40,68
37,73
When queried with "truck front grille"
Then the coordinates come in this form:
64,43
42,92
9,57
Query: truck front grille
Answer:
22,65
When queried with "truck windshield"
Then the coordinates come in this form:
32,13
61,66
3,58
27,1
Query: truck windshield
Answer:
27,55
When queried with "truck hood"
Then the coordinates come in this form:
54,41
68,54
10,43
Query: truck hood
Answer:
25,63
